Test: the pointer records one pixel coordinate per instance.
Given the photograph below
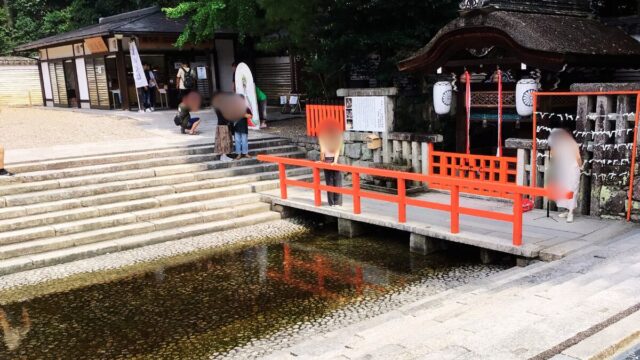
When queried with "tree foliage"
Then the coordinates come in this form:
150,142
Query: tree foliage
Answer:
22,21
334,38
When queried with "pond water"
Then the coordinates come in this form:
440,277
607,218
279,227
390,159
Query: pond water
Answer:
204,308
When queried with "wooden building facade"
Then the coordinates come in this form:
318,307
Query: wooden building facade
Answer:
91,67
555,43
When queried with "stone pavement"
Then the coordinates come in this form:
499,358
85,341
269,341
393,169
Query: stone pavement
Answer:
517,314
547,238
158,128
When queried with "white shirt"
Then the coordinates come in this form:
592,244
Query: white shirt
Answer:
180,76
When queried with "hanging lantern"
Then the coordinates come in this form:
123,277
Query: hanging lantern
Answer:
442,92
524,96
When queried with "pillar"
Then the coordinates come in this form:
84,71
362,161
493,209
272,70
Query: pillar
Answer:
424,245
350,228
122,76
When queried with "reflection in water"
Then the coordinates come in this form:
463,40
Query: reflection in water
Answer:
12,336
210,306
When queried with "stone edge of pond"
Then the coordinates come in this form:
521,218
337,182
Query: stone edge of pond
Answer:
115,266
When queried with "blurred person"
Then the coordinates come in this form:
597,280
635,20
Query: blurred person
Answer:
149,92
566,164
190,102
224,129
262,106
3,171
331,143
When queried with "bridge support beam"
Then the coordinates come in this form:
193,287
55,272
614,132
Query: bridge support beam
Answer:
424,245
350,228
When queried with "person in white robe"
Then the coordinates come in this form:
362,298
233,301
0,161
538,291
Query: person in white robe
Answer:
566,165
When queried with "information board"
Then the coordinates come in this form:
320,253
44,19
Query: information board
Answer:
366,113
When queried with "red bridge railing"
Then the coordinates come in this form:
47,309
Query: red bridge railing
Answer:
501,170
454,185
318,113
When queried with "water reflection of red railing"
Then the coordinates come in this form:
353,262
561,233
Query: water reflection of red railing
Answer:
324,269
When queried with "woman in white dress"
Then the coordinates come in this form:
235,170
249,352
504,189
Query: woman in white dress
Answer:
566,164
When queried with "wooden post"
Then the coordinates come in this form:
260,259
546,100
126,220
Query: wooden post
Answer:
356,192
283,181
517,219
585,103
317,194
604,106
402,201
455,209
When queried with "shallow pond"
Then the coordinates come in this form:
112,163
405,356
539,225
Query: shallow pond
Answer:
205,308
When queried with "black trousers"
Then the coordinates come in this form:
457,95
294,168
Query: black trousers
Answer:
333,178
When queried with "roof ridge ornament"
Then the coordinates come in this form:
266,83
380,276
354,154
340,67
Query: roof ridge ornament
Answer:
473,4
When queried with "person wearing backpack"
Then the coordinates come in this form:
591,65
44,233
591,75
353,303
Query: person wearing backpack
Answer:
186,79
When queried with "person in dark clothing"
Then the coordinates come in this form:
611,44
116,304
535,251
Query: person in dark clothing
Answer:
331,144
191,102
149,91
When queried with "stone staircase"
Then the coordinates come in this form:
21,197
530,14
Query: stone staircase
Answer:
63,210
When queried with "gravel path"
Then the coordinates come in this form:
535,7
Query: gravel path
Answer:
10,284
22,128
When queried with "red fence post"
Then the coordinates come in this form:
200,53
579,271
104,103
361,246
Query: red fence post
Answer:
517,219
455,209
283,181
317,198
356,192
402,201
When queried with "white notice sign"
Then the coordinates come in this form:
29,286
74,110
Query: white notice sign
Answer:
366,113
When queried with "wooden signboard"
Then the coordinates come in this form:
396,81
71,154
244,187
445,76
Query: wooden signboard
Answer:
96,45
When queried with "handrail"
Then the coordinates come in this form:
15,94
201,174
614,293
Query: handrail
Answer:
454,184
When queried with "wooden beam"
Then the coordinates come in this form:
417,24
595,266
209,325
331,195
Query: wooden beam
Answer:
122,76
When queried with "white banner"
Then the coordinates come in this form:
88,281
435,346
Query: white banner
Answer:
136,64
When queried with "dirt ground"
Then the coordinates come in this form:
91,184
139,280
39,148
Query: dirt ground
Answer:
291,128
23,128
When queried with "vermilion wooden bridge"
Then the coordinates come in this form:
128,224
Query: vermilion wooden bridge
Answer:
449,214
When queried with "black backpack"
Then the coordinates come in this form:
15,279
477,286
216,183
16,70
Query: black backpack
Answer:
188,81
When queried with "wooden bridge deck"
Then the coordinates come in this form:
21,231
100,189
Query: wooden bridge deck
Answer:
546,238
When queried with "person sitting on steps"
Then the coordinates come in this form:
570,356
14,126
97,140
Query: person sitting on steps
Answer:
190,102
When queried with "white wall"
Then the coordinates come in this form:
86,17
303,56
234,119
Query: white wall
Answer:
225,57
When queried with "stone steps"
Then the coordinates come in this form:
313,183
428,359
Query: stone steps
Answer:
23,263
128,226
56,204
196,162
60,210
66,163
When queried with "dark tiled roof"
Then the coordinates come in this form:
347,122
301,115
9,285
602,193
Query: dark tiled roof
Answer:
145,21
561,7
17,60
565,35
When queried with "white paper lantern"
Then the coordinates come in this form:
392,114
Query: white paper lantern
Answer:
442,92
524,96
